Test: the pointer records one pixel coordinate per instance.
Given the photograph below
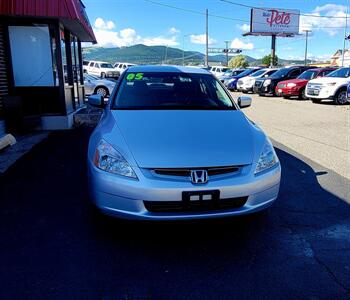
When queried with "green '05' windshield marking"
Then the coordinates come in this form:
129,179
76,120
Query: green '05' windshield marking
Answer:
133,76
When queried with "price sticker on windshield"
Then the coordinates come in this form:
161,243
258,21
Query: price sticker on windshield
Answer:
134,76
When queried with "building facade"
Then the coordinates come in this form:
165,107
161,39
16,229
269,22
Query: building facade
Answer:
40,60
337,58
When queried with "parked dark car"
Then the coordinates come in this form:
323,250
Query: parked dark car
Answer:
266,86
296,87
230,73
231,82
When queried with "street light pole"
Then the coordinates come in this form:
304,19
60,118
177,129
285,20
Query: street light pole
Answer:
183,50
345,30
306,39
206,39
226,42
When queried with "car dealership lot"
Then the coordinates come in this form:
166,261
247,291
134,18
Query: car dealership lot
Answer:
320,132
55,246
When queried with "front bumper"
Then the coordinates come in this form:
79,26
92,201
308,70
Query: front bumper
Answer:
123,197
286,91
319,93
266,90
246,88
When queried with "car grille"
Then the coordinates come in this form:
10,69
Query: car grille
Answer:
187,172
239,82
281,85
194,206
258,83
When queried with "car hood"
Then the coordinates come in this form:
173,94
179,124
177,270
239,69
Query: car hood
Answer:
181,138
296,81
104,82
324,80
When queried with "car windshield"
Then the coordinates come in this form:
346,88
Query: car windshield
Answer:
258,73
310,74
107,66
171,91
245,73
236,72
280,73
343,73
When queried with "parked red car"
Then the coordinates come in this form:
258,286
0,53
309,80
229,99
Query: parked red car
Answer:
296,87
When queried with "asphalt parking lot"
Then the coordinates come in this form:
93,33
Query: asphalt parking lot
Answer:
55,246
321,132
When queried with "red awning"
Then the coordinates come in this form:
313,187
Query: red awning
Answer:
70,12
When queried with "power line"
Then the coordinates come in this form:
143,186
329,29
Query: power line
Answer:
264,9
223,17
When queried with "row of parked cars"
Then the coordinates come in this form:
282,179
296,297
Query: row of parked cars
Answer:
301,82
104,69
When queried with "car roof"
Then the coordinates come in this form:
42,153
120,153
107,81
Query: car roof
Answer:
100,62
167,69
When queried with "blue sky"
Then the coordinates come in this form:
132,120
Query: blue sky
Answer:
124,23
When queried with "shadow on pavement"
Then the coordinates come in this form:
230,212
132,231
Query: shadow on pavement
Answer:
55,246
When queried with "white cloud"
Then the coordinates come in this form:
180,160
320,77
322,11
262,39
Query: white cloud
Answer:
159,41
106,37
102,24
201,39
325,24
238,43
243,27
173,30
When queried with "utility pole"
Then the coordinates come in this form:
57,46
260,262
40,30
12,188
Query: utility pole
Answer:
273,50
166,54
206,39
183,50
345,30
306,38
226,42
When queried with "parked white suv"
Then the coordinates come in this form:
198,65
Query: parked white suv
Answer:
218,70
101,69
246,84
121,67
332,86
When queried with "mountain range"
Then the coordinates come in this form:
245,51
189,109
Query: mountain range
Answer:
142,54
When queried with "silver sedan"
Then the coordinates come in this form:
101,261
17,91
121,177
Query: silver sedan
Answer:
172,144
96,85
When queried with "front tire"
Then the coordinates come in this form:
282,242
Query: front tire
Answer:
340,97
101,91
302,95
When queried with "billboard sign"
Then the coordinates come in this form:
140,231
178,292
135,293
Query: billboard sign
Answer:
274,20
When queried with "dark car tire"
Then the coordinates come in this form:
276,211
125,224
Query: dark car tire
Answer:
302,95
101,90
340,97
103,75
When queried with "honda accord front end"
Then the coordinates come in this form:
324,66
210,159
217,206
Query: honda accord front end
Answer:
172,144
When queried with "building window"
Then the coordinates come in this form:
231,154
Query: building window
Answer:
31,55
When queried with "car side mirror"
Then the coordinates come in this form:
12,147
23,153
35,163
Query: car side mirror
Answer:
96,101
244,101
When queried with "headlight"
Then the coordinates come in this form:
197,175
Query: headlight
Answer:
331,83
291,84
267,159
267,82
110,160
